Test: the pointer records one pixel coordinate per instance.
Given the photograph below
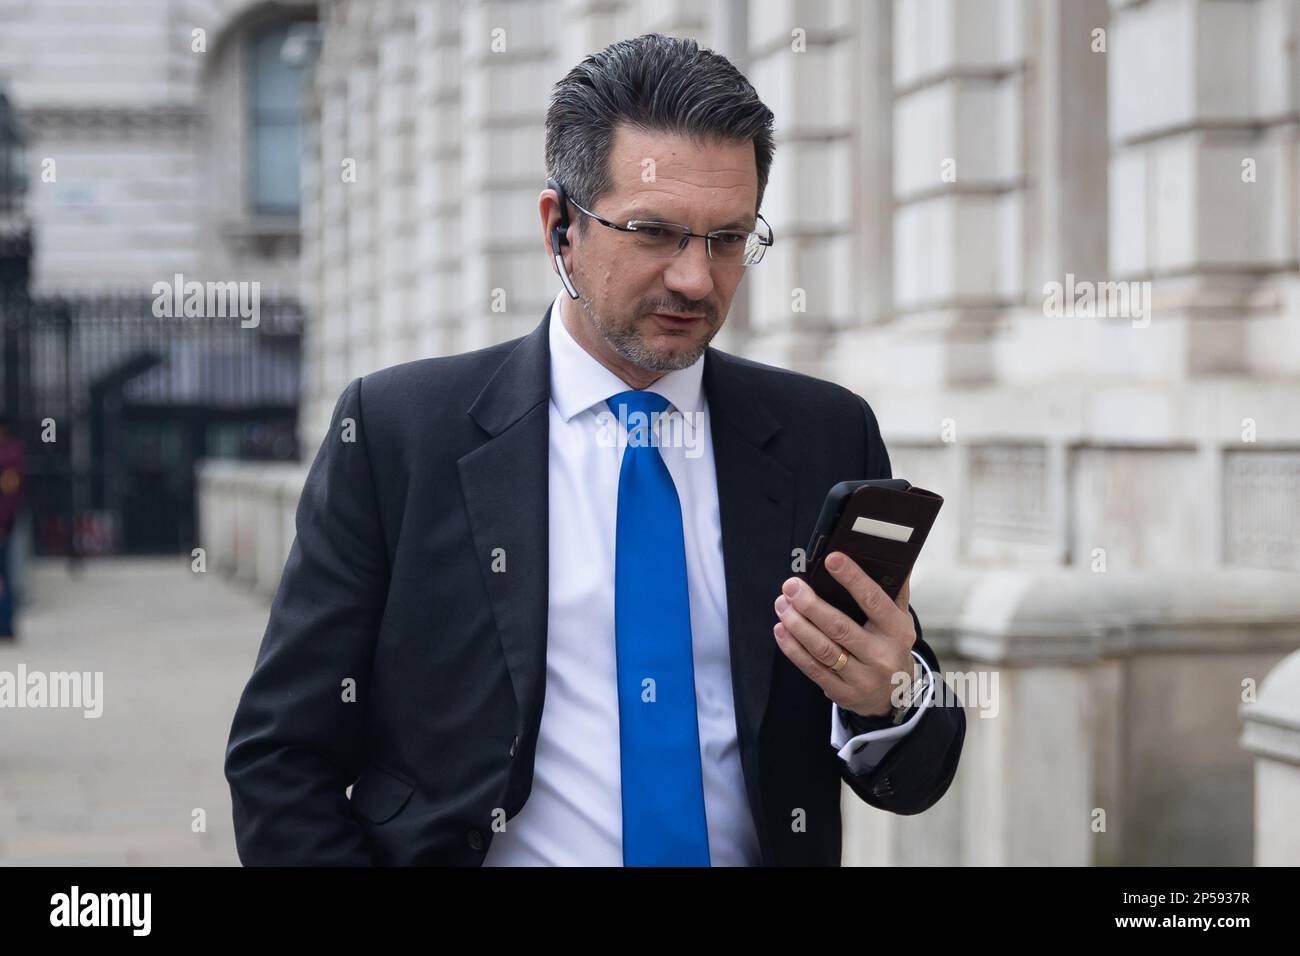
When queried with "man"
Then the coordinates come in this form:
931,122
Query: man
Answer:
526,628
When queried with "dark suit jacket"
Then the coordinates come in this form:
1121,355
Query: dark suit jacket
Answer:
388,585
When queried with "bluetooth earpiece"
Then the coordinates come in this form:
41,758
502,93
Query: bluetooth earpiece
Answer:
558,238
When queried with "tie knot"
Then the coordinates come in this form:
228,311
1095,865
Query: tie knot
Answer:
636,400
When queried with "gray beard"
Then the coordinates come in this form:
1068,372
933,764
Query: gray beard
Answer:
629,344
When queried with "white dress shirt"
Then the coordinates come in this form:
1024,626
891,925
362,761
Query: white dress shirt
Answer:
573,816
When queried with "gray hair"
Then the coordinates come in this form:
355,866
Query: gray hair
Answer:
656,83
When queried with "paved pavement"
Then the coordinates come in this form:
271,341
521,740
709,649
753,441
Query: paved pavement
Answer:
175,649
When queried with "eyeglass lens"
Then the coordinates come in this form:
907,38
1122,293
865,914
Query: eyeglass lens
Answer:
663,240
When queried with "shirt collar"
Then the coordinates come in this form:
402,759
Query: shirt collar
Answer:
578,381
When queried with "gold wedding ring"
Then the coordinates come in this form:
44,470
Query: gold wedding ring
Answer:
839,664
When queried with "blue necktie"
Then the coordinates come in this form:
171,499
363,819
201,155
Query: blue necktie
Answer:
663,791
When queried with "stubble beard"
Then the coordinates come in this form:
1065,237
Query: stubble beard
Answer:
628,342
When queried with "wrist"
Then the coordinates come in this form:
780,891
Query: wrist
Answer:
865,723
901,703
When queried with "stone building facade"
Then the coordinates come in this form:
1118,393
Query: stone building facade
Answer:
138,129
1053,242
160,141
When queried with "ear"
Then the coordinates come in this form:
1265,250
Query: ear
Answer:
552,216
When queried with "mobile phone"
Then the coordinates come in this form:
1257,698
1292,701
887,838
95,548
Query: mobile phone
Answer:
881,523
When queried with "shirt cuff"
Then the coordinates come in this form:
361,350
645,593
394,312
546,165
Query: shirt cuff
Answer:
864,752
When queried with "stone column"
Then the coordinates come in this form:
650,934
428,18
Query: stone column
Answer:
396,265
803,62
437,193
330,318
361,194
1202,200
1202,210
506,75
1272,734
589,26
958,188
311,264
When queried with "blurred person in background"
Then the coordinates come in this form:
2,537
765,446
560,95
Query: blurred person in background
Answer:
12,484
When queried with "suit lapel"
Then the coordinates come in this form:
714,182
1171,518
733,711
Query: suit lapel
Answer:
505,485
756,509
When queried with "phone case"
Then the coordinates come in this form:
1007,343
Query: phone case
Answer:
880,523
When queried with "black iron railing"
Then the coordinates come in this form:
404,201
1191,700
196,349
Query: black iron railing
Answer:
115,405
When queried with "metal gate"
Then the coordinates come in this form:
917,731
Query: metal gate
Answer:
115,405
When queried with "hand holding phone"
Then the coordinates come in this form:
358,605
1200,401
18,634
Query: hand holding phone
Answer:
881,524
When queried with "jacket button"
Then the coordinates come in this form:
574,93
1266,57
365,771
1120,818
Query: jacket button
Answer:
514,746
475,840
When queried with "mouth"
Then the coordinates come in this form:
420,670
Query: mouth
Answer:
677,321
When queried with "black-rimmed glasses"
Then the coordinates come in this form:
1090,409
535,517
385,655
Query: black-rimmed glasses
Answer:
664,240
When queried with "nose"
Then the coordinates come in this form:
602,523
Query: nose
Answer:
690,272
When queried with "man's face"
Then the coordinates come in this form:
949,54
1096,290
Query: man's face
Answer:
703,187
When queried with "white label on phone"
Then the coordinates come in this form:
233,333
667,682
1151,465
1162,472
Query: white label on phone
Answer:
882,529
